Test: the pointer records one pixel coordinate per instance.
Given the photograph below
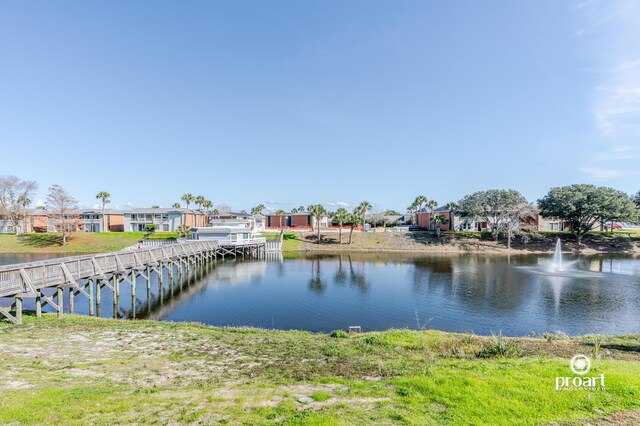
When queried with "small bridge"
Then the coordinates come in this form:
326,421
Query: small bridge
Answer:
89,275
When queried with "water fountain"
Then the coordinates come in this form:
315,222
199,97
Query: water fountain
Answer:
556,261
557,266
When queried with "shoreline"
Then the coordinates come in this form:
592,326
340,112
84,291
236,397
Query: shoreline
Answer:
374,242
461,251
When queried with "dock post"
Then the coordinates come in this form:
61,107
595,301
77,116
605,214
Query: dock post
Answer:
171,283
98,295
133,293
116,301
38,304
160,281
91,297
19,309
60,302
170,265
72,304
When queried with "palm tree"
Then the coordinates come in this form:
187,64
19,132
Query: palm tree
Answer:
215,212
431,205
104,196
353,219
199,201
281,213
451,206
184,231
419,201
188,199
24,201
341,215
411,208
207,204
176,205
362,210
436,221
317,211
257,209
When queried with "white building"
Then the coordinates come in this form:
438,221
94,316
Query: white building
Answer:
229,230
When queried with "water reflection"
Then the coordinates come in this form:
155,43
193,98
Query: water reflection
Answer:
379,291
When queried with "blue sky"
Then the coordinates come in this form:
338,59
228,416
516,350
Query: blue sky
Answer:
288,103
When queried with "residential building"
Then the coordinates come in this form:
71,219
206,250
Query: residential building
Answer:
92,220
6,227
295,221
257,220
231,230
166,219
423,220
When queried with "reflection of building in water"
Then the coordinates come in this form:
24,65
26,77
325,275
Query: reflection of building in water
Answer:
236,273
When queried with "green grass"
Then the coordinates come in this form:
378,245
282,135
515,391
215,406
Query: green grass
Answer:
290,241
77,243
80,370
162,236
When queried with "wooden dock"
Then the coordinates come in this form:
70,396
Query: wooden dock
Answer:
89,275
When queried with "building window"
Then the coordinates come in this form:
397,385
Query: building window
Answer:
554,226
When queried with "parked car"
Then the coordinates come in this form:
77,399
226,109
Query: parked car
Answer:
614,225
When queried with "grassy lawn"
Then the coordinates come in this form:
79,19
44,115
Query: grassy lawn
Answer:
290,241
78,243
81,370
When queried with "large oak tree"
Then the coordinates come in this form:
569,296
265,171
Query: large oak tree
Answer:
582,206
504,210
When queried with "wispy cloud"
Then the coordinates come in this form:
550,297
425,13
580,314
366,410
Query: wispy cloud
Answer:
617,153
611,34
337,204
615,39
604,173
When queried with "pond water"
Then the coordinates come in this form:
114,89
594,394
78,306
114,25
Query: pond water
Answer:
465,293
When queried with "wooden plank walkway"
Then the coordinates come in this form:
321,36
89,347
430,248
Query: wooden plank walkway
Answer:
89,275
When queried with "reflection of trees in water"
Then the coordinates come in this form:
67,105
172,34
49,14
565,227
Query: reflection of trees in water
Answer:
430,273
572,299
355,273
358,278
315,282
477,282
341,275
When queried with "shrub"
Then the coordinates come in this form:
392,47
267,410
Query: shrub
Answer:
151,227
468,338
339,334
500,346
596,340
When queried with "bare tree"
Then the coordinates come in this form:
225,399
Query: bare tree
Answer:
224,208
502,210
64,209
15,197
376,216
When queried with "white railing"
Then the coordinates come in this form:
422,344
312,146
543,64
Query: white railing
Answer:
24,277
243,242
273,246
150,243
